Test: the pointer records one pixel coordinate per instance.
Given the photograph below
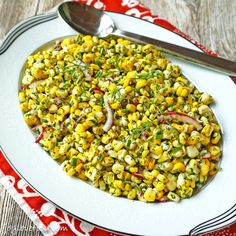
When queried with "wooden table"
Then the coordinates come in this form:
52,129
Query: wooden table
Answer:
211,22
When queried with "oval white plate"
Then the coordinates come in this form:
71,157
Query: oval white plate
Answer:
89,203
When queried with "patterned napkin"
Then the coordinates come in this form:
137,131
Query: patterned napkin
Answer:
49,219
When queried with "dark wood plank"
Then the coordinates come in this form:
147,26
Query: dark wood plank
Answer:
14,11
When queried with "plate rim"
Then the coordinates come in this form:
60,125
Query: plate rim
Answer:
32,21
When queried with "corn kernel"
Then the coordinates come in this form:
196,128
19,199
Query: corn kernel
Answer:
161,177
145,153
192,151
160,186
173,196
133,169
71,172
117,168
151,164
117,145
183,138
178,167
141,83
132,194
115,106
215,138
182,91
118,184
128,89
131,108
79,167
207,130
131,75
130,126
169,100
106,139
150,195
214,150
204,169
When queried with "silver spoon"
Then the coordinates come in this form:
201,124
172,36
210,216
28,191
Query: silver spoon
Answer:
88,20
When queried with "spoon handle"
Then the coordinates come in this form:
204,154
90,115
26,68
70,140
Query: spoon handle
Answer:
211,62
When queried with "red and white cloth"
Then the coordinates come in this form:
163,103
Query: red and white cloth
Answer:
49,219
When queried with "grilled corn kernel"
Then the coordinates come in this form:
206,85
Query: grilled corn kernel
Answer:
80,128
118,184
173,196
131,107
160,186
182,91
214,150
117,168
117,145
192,151
206,99
204,110
169,100
215,138
183,138
141,83
145,153
207,130
204,169
106,139
178,167
133,169
132,194
150,195
115,106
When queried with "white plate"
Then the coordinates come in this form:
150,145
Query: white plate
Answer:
89,203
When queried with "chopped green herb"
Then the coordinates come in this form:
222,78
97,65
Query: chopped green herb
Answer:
176,149
99,74
73,161
159,135
44,120
128,143
136,132
102,50
102,101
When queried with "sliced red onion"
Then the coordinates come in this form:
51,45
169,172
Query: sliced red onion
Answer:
135,102
23,86
97,90
109,121
58,47
207,156
140,194
62,125
35,84
41,132
110,79
137,175
180,117
162,199
80,116
57,101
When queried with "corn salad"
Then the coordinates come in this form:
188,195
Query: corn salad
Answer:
122,117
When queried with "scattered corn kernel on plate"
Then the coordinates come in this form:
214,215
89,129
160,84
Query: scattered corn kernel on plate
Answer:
110,130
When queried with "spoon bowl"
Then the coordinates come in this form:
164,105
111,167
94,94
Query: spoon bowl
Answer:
86,19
